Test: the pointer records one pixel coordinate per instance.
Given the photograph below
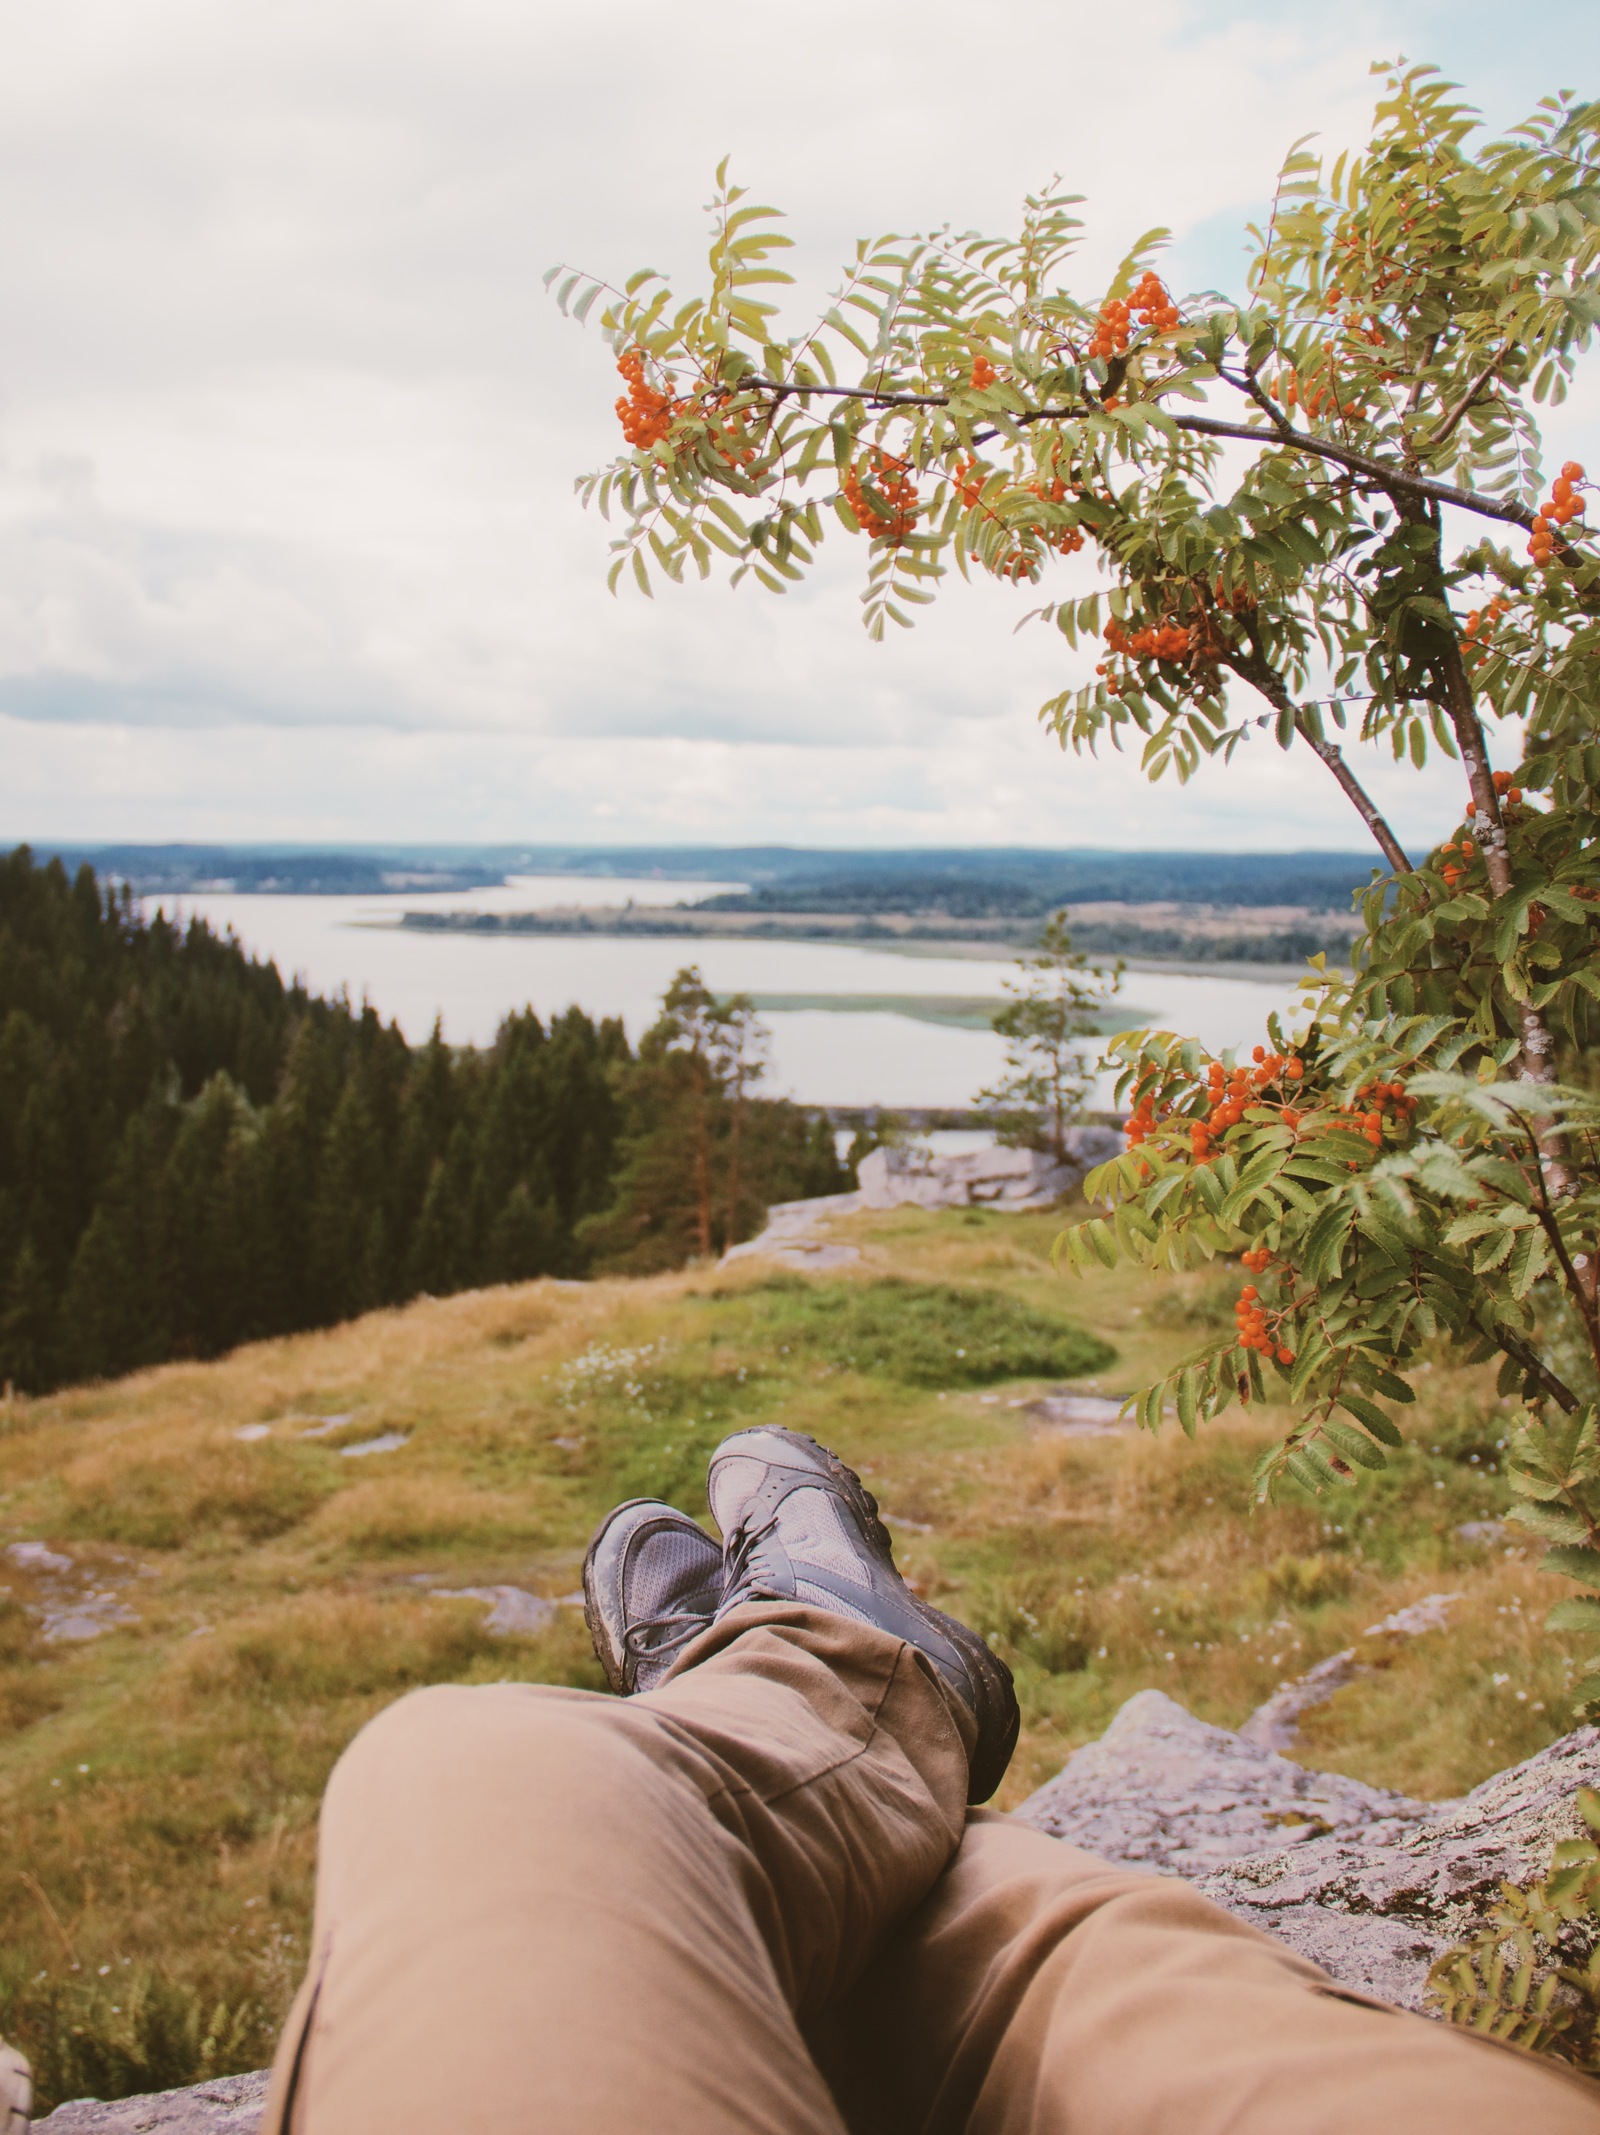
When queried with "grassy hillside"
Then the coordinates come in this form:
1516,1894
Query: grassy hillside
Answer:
270,1589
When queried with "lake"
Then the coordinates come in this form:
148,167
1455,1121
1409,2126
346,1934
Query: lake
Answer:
470,981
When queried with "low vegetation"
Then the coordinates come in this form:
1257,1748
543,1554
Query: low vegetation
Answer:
269,1583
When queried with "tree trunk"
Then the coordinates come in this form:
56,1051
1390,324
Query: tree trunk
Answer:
735,1129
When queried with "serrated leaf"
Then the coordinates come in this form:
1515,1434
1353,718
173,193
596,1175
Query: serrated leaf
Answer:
1353,1444
1582,1564
1372,1418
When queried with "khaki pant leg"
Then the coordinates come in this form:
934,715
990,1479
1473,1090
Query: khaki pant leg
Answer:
542,1909
1040,1989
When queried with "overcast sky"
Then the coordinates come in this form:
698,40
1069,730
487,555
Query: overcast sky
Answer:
288,429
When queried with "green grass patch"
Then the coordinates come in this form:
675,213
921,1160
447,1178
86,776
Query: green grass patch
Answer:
927,1334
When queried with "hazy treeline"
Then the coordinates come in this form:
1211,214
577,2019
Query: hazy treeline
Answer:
193,1154
1031,885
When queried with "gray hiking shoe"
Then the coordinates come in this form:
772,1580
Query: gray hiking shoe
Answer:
651,1582
798,1525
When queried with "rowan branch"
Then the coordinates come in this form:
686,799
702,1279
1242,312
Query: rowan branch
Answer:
1383,472
1524,1354
1255,668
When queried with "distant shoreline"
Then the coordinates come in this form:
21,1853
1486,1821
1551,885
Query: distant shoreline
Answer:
911,939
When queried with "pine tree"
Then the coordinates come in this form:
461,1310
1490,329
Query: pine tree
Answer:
1060,999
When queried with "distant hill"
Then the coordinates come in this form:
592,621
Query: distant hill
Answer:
961,882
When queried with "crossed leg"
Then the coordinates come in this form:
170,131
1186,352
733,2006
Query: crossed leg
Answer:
1037,1987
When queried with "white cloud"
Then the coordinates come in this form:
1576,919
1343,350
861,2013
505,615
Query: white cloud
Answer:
288,429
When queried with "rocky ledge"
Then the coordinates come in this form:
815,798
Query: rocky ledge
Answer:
1369,1885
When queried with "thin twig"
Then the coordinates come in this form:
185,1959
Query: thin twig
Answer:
26,1876
1446,429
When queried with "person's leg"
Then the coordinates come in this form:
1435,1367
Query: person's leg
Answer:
1037,1987
16,2091
548,1909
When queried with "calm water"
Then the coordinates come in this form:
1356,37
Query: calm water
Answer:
471,981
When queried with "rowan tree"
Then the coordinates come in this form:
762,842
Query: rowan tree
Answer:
1315,510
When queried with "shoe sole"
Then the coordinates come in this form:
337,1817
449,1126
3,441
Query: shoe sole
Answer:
998,1719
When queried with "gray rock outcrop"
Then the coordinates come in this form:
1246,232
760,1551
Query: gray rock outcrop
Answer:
1368,1884
228,2105
1015,1179
790,1235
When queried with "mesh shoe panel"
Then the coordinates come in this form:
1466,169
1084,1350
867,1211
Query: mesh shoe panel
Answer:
668,1571
815,1532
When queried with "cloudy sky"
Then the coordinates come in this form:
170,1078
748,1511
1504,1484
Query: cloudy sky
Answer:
288,547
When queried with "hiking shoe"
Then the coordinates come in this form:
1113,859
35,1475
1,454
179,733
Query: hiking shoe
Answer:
651,1582
799,1526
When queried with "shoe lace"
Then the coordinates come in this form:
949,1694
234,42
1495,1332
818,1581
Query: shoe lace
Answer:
738,1583
675,1628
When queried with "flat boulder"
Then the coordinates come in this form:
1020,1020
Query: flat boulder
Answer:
1013,1179
227,2105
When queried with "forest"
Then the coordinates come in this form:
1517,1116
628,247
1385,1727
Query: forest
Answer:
195,1154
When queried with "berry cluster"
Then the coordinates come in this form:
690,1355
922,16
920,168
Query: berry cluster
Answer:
731,442
967,478
1480,626
1452,870
1250,1318
1149,302
1141,1122
1510,794
1229,1095
646,415
1564,504
983,373
1295,391
1257,1260
1161,641
1226,1094
1384,1102
1065,540
888,511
